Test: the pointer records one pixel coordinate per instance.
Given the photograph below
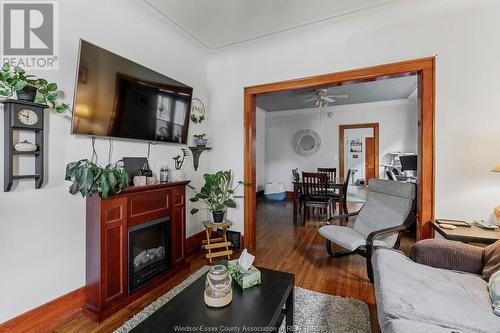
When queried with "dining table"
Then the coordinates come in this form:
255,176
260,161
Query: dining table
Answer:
333,183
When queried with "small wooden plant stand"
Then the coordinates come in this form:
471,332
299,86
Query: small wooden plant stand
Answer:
216,247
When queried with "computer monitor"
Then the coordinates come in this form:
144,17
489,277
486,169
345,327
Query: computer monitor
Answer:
408,162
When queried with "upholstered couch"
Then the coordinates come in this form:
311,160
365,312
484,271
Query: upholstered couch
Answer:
438,289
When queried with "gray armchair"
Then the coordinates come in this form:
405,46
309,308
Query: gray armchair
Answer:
378,223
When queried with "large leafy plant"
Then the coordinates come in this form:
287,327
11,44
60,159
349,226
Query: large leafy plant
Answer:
217,193
89,178
15,78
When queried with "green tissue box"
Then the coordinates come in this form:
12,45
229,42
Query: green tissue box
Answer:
245,279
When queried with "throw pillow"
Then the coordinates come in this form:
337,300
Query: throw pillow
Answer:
491,259
494,287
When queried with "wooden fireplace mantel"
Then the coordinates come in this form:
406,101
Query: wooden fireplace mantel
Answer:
107,226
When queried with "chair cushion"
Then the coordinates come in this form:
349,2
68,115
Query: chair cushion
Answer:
388,205
413,292
346,237
491,260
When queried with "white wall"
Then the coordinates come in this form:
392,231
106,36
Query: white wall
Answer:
260,149
42,237
395,134
462,34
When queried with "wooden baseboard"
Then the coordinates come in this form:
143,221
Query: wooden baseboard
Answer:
289,195
193,244
48,316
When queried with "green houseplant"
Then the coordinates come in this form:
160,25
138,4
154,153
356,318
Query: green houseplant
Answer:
28,87
89,178
216,194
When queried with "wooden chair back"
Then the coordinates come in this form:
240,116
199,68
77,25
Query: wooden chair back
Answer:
346,183
331,172
314,184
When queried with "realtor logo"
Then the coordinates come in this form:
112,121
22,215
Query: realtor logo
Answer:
29,37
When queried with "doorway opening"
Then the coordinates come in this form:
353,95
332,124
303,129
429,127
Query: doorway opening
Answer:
359,151
423,68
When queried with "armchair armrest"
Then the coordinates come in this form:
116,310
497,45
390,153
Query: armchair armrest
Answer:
374,234
343,216
448,255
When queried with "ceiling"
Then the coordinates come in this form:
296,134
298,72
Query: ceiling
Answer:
366,92
221,23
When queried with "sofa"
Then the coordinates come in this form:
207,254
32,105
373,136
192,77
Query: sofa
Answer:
438,289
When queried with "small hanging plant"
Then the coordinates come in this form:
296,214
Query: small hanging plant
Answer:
89,178
29,87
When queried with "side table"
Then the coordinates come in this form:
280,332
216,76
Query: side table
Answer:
220,244
472,234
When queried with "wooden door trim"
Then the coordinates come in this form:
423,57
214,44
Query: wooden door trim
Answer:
342,128
425,67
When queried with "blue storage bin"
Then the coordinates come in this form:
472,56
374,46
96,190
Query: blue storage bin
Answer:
275,191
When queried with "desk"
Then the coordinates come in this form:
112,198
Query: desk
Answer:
472,234
336,184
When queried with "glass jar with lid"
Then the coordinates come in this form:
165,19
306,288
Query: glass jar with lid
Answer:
164,173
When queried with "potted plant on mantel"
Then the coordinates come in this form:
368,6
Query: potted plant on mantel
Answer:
29,88
89,178
217,194
177,175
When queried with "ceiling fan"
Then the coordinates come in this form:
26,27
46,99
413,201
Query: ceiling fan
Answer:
321,98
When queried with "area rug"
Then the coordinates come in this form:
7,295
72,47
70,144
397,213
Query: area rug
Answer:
314,312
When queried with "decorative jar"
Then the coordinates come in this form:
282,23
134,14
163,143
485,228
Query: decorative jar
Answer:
163,174
218,288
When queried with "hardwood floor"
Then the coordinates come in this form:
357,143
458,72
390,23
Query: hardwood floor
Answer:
302,251
281,246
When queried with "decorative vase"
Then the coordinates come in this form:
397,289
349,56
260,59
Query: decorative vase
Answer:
218,287
28,93
218,216
176,175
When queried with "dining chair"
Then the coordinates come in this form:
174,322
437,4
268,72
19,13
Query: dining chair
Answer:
296,178
331,172
342,200
315,194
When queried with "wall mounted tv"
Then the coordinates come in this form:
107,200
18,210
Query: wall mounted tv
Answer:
116,97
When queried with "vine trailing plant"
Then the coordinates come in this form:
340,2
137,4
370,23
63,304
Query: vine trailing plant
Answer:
15,79
89,178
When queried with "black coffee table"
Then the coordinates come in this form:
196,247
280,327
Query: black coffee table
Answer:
263,306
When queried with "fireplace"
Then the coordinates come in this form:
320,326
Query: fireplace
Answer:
148,251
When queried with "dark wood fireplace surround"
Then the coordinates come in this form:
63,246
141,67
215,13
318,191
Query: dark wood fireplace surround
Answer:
107,238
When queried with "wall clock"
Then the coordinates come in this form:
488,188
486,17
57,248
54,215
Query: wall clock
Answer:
23,116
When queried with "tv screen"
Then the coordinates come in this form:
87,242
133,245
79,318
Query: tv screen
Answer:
116,97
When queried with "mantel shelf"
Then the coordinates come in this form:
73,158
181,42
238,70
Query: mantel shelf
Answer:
196,155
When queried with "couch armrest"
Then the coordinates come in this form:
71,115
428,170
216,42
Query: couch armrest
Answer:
448,255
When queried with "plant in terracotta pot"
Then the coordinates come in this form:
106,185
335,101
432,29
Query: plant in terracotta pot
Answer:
29,88
217,194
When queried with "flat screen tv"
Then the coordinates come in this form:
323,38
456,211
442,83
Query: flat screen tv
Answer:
119,98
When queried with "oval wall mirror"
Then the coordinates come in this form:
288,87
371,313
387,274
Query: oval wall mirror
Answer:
307,142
